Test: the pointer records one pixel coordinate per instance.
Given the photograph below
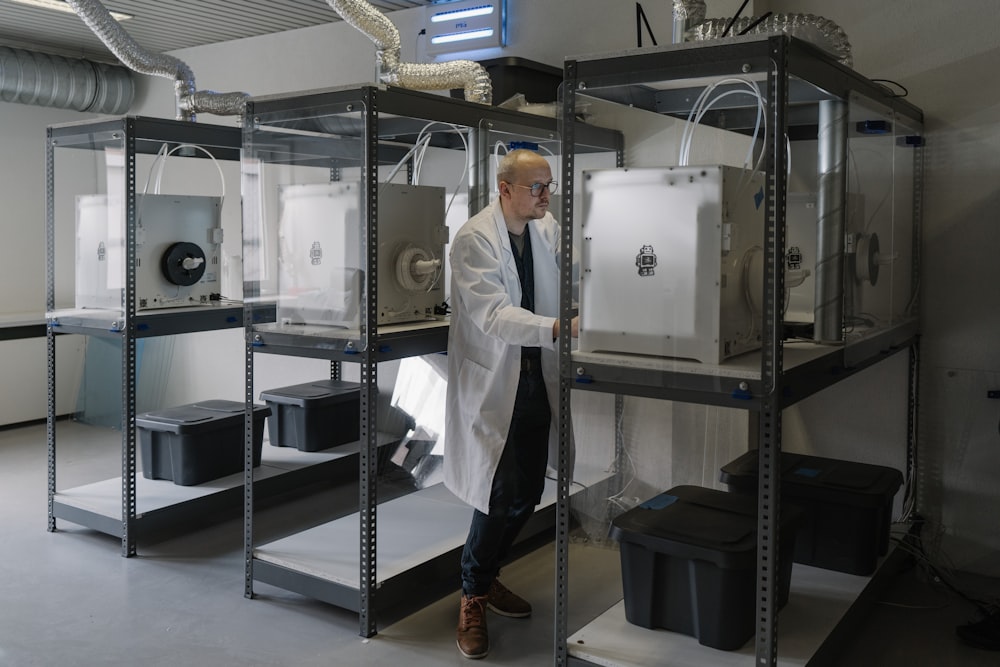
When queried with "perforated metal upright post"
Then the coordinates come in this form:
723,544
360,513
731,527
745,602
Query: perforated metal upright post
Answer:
769,468
50,336
249,183
565,471
368,483
127,330
913,407
248,449
336,367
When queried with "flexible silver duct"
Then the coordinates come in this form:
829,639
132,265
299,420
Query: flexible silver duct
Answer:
217,104
466,74
691,10
133,56
687,14
65,83
820,31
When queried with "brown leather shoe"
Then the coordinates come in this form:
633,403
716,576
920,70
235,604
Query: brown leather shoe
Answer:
502,601
472,638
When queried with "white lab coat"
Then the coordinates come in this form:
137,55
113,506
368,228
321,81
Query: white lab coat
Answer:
488,328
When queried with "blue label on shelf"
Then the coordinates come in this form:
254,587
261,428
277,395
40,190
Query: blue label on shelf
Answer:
807,472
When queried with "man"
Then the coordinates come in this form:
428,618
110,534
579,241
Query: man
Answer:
502,387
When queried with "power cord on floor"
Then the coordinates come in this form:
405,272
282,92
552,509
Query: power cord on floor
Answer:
983,633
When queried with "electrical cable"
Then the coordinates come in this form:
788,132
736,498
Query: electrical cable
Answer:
895,83
159,154
912,544
736,16
640,20
159,176
616,499
419,160
703,104
402,161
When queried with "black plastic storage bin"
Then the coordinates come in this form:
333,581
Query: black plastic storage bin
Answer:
848,507
314,415
195,443
689,563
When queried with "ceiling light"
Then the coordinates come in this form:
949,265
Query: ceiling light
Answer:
453,14
451,37
61,6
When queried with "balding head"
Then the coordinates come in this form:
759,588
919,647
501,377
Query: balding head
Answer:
521,177
518,161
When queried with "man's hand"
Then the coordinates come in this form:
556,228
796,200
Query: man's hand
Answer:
574,330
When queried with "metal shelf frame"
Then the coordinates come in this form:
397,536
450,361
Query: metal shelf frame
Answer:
135,135
294,130
794,77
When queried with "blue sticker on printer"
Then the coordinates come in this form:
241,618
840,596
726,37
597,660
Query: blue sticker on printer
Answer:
659,502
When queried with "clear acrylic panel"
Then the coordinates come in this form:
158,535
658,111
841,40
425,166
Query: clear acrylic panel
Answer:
88,198
173,193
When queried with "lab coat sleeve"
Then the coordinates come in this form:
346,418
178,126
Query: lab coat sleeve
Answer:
479,274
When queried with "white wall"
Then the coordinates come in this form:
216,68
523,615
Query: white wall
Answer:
939,51
22,268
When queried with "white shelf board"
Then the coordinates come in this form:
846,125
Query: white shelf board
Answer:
342,333
21,319
745,366
411,530
818,600
104,498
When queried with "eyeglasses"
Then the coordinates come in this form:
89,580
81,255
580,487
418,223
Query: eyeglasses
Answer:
536,188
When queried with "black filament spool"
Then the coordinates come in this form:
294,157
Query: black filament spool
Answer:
172,263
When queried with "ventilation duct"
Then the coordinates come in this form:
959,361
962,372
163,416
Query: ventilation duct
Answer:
65,83
687,14
120,43
465,74
815,29
690,23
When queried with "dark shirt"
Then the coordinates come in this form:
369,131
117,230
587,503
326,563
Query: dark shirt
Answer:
521,246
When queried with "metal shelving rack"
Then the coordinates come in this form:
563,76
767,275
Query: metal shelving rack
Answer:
336,132
794,78
98,145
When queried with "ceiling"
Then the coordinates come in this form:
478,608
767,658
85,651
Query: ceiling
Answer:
166,25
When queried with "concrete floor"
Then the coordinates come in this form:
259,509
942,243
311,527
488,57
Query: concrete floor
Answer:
69,598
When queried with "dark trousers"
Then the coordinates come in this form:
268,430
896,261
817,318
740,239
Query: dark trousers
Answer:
517,486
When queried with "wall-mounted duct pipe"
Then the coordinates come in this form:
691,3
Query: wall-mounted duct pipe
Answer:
120,43
831,221
65,83
465,74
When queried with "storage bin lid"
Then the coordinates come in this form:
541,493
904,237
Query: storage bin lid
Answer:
693,522
201,416
313,394
816,477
